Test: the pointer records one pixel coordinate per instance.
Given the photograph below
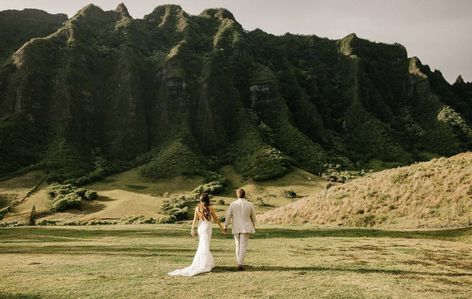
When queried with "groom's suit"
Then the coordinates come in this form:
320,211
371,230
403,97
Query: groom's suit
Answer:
243,215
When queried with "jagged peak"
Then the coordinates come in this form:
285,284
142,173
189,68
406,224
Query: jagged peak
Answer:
415,61
169,15
350,36
416,67
345,44
161,10
220,13
89,9
459,80
123,10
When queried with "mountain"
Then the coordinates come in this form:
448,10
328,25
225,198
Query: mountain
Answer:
430,194
184,94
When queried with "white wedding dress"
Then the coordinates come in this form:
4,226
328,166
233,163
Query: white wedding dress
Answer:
203,260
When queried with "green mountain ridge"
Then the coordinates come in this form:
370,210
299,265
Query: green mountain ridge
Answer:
184,94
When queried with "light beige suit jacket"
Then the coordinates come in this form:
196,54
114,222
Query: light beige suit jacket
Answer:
243,214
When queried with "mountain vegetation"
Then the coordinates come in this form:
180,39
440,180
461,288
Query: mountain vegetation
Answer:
180,94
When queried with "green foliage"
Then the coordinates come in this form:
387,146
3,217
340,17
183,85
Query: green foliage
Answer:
215,185
182,95
175,158
18,27
32,217
135,220
69,201
176,209
290,194
90,195
64,197
3,212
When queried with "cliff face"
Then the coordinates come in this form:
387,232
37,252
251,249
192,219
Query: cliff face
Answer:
183,94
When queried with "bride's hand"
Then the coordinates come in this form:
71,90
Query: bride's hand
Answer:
192,232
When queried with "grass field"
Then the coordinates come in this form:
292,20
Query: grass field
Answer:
284,262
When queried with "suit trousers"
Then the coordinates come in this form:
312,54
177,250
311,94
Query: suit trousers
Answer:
240,241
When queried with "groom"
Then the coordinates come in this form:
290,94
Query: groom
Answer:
243,215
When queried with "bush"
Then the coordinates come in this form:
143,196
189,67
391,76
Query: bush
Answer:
68,196
91,195
67,202
81,192
213,188
290,194
3,212
45,222
176,209
167,220
32,217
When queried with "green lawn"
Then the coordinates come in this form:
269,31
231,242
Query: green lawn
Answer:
290,261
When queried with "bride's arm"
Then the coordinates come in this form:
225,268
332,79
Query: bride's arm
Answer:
216,219
195,218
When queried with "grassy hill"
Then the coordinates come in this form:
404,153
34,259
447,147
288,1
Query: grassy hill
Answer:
128,194
437,193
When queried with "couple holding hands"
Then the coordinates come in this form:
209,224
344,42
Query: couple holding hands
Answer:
243,216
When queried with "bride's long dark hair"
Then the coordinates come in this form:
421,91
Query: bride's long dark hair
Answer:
204,206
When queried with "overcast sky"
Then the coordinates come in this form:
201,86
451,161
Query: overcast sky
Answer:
437,31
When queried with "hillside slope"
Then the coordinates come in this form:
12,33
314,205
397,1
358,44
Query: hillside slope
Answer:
437,193
184,94
128,194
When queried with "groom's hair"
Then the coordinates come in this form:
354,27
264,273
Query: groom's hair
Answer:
241,193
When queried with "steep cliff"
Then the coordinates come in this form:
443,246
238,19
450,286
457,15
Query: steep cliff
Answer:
184,94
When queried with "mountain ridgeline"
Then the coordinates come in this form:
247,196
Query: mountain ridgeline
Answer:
183,94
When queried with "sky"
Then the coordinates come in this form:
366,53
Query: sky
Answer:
437,31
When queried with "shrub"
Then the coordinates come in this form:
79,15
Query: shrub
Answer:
68,196
221,201
290,194
213,188
67,202
3,212
176,209
167,219
81,192
32,217
45,222
91,195
179,213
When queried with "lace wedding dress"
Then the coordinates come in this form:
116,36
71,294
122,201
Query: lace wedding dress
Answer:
203,260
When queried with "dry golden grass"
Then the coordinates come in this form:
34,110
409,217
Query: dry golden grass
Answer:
437,193
17,188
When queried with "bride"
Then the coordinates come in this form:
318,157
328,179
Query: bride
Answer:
203,260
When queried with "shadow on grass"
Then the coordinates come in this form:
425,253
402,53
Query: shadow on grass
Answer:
66,234
446,234
304,270
18,296
152,251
